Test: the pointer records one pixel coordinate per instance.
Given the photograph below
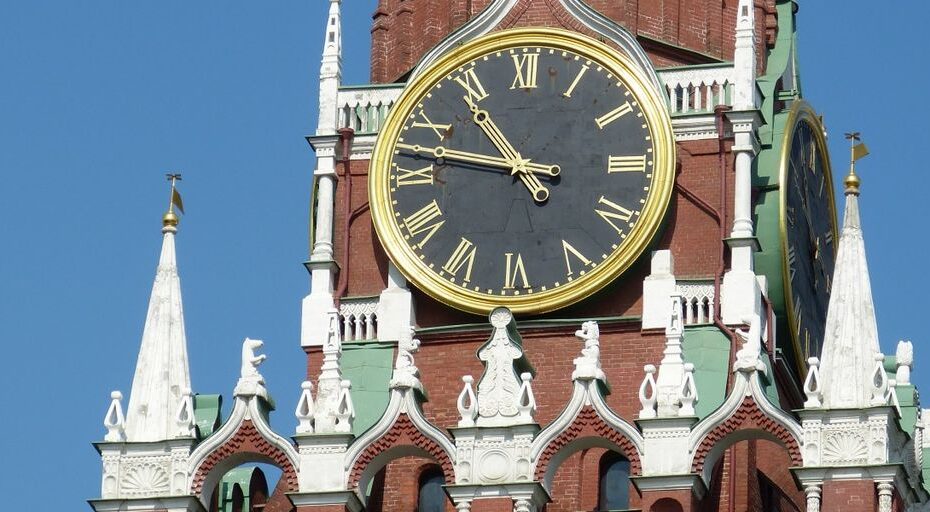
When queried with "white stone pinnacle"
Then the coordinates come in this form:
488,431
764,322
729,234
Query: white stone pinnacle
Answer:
162,372
851,337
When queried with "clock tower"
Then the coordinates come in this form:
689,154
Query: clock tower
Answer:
564,255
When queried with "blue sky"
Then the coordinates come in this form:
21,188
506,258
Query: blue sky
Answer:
99,99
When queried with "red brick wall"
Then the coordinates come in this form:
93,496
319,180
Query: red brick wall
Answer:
851,496
673,32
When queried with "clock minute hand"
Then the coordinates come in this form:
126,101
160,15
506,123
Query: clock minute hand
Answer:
483,120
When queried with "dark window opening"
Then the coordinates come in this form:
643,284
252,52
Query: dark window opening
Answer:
614,483
432,497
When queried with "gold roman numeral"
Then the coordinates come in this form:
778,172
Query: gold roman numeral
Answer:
613,115
422,176
526,71
566,249
420,222
439,129
615,212
514,269
792,259
568,93
473,88
626,163
463,255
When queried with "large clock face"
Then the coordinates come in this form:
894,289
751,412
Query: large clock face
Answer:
809,228
527,169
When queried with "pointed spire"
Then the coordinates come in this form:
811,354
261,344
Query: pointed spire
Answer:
851,337
744,57
162,373
330,70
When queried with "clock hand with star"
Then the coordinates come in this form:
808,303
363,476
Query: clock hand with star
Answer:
483,120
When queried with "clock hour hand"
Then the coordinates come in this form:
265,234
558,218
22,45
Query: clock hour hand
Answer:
476,158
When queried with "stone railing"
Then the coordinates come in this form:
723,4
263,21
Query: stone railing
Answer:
697,89
697,301
690,90
359,318
364,107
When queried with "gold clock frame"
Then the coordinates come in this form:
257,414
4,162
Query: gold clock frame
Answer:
800,112
654,108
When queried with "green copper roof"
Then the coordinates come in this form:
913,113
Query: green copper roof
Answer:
708,350
208,414
369,366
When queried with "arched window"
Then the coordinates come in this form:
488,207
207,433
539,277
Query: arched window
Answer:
432,498
614,484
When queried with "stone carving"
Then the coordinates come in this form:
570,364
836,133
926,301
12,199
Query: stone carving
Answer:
879,381
905,361
671,376
812,384
526,401
345,411
688,392
647,394
329,386
185,416
844,446
747,357
588,366
500,385
467,403
305,409
813,498
144,479
251,361
114,420
406,374
885,494
251,381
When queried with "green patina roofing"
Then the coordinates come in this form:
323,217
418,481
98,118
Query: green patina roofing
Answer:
208,414
242,477
369,367
708,350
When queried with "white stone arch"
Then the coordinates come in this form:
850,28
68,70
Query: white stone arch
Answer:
747,394
434,444
217,454
627,440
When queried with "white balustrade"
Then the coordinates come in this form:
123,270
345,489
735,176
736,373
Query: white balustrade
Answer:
697,89
697,301
358,318
364,108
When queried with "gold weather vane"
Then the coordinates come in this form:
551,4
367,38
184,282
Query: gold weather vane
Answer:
170,218
857,150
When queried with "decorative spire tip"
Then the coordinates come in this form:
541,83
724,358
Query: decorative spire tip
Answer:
170,219
857,151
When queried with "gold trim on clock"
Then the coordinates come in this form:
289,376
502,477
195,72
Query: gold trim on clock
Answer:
636,242
801,111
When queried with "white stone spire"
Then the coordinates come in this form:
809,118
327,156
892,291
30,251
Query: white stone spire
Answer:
330,70
851,338
162,372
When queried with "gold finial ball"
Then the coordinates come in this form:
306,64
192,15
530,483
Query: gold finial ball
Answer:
852,183
170,219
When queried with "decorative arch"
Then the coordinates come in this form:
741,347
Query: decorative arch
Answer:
746,414
245,437
401,432
586,422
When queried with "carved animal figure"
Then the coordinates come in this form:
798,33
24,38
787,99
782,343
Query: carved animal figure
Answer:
251,361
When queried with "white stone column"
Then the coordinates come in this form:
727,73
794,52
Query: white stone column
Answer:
813,493
658,286
885,493
740,293
322,267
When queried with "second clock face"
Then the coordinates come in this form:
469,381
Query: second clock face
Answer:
520,171
809,229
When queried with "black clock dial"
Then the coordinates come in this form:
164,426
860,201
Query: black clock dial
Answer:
810,233
521,170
